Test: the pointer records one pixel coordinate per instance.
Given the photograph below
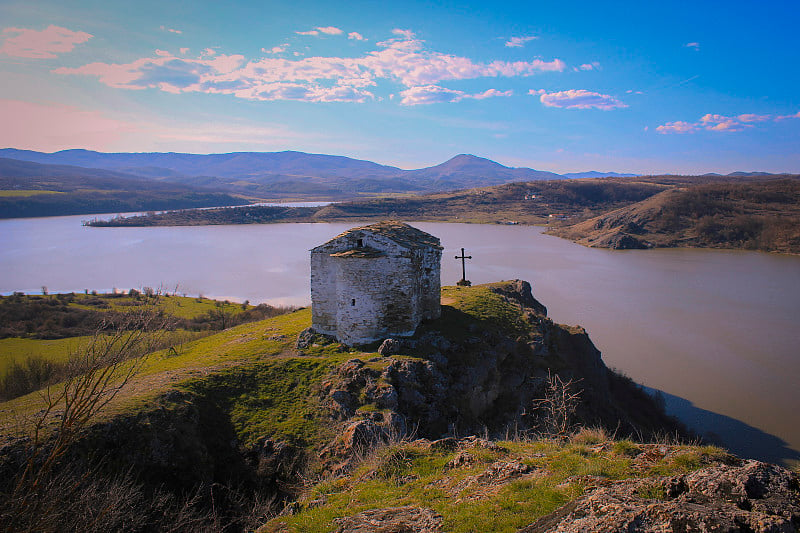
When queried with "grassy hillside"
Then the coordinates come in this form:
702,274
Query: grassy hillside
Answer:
248,427
755,216
526,203
40,333
492,487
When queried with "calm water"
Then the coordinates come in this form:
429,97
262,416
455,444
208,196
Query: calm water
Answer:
716,331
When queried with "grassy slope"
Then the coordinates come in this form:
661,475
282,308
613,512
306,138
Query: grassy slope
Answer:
469,498
754,215
16,349
254,375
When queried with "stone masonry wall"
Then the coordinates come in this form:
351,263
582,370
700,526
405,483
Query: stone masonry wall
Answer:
363,299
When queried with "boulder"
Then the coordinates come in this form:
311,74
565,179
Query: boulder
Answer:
752,496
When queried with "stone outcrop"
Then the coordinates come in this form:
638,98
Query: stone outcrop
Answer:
752,497
392,520
487,380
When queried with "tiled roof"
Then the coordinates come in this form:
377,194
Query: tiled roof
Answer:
401,233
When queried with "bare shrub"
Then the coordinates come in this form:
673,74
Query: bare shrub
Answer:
41,488
555,411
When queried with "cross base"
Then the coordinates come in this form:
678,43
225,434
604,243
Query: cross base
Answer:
464,283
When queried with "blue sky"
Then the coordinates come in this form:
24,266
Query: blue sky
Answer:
646,87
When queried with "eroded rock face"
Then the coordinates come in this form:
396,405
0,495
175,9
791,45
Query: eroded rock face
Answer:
392,520
749,497
486,380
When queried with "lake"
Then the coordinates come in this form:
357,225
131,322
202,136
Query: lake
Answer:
716,331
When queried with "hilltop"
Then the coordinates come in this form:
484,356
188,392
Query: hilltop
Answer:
471,424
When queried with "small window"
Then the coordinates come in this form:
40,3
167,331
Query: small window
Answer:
353,302
360,245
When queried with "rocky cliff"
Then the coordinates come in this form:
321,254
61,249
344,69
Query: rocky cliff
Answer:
473,418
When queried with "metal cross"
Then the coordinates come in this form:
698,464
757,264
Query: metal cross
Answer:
463,265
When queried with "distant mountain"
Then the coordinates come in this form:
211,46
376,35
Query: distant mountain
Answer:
465,167
233,165
30,189
595,174
750,174
285,174
17,174
255,164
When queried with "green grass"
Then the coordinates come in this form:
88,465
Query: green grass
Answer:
412,474
167,369
22,193
270,398
16,349
481,306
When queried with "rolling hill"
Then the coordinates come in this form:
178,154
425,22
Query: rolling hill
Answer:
31,189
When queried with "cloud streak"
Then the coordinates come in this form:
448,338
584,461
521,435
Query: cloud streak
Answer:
715,122
433,94
519,42
577,99
401,59
44,44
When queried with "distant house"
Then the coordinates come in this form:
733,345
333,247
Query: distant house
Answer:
375,282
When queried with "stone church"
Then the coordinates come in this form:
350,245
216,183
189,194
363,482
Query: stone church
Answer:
374,282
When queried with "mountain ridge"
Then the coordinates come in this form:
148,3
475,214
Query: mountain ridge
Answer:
239,164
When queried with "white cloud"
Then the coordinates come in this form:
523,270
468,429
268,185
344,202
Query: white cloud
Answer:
434,94
577,99
716,122
44,44
677,127
171,30
490,93
693,46
753,118
276,49
355,36
329,30
184,50
404,34
402,59
325,30
784,117
519,42
594,65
